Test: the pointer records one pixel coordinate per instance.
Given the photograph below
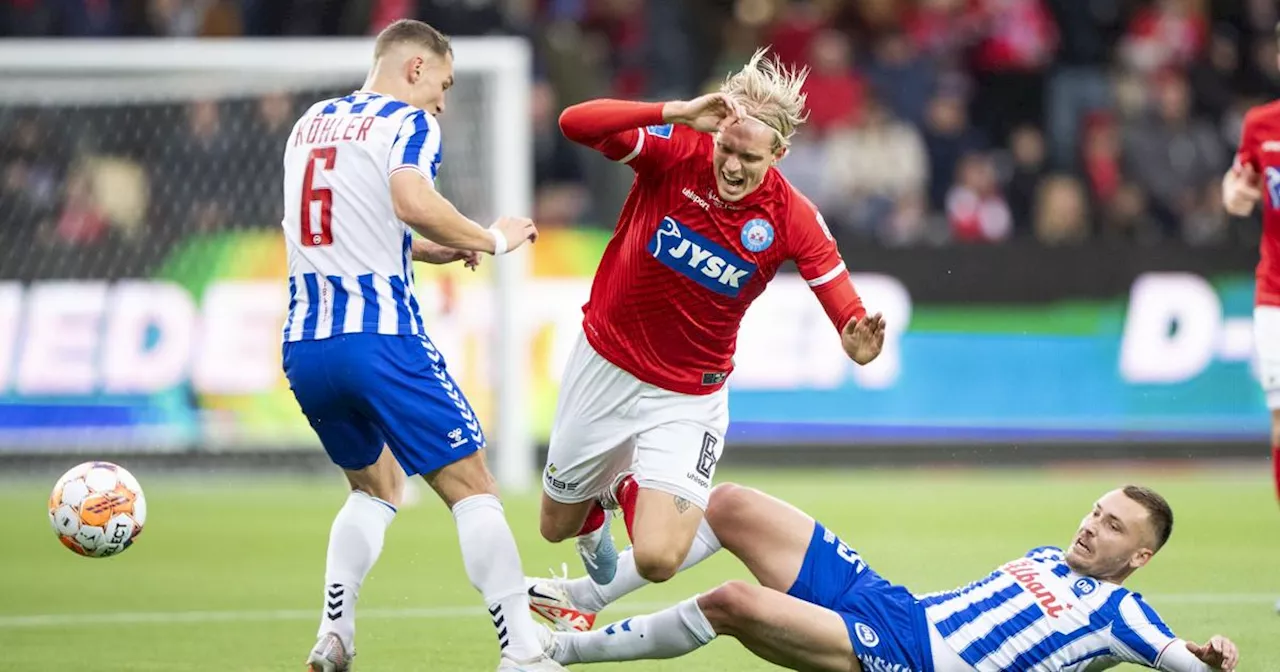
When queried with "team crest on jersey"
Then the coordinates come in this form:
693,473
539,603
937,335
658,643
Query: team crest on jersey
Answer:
692,255
866,635
1273,186
757,235
660,131
1084,586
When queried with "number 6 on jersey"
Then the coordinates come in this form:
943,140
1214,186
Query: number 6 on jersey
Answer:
313,236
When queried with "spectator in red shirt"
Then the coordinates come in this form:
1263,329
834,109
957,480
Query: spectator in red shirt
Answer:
834,90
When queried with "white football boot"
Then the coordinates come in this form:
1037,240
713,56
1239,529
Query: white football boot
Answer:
330,655
549,599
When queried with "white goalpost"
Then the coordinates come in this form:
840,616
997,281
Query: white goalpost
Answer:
131,102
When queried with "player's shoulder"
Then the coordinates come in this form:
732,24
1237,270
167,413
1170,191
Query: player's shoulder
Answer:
1045,553
1267,113
795,209
678,138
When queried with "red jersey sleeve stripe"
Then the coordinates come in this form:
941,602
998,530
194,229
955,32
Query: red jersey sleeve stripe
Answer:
639,146
828,276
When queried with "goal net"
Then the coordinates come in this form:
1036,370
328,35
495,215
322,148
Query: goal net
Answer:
142,269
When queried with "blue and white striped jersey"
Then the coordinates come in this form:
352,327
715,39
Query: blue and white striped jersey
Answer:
350,268
1035,614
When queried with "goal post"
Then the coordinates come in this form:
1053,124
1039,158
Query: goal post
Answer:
127,94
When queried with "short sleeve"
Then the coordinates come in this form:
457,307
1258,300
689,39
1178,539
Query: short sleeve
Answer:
418,146
1139,635
814,249
818,259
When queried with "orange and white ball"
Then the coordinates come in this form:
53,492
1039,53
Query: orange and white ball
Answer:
97,509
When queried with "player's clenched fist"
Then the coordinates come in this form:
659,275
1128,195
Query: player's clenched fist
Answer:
863,339
1219,652
512,232
712,112
1240,190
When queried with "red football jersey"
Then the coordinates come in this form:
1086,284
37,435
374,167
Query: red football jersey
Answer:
1260,148
683,266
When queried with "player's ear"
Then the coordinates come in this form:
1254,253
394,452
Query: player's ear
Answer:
1141,558
415,66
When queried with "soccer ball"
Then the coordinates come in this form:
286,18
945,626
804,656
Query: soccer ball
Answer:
97,509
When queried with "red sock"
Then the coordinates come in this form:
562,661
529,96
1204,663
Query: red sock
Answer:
594,521
626,494
1275,467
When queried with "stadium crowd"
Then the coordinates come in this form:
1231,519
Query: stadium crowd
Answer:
932,121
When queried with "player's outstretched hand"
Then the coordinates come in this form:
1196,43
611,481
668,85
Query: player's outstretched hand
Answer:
1219,652
429,252
1241,189
516,230
707,114
863,339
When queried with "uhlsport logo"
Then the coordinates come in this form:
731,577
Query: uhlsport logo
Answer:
693,256
757,235
866,635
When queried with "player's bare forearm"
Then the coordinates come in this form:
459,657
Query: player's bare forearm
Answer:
427,252
429,213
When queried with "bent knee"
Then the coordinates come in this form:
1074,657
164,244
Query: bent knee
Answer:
558,521
553,530
656,565
729,503
729,606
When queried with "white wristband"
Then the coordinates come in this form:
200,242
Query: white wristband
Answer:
499,241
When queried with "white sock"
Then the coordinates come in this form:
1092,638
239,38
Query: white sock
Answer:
669,633
355,542
592,597
493,565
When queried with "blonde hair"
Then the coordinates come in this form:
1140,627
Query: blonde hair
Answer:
770,93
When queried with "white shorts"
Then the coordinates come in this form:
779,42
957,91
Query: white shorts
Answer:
1266,341
608,421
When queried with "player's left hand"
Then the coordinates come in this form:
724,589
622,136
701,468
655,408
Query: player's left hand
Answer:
863,339
707,114
433,253
1219,652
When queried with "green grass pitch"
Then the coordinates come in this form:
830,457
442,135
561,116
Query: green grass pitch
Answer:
227,574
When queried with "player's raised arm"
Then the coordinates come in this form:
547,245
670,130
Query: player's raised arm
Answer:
641,134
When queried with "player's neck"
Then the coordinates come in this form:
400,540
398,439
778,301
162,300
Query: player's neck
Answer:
383,86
